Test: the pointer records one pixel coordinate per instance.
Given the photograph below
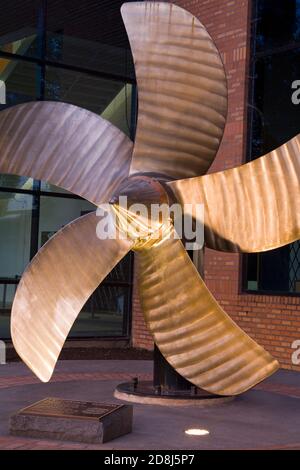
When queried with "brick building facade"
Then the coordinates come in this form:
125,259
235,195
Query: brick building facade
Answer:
272,320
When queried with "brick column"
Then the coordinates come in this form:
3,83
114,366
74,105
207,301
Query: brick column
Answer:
141,338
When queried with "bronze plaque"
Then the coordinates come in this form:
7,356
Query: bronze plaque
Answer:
58,407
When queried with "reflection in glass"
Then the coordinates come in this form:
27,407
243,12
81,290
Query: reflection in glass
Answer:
7,293
276,270
275,120
22,82
22,46
122,272
15,227
103,313
19,27
51,188
56,212
275,116
14,181
89,34
107,98
278,23
100,57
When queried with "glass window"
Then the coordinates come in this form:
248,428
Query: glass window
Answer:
278,23
275,116
89,34
14,181
108,98
21,27
15,223
276,270
274,119
15,248
22,84
56,212
75,52
7,293
51,188
103,314
122,272
22,81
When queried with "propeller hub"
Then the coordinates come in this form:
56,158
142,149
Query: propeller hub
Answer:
139,205
141,189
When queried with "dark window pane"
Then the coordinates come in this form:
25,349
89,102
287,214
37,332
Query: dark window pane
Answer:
122,272
252,272
89,34
51,188
104,312
85,35
274,270
276,118
21,27
15,244
22,84
107,98
7,293
15,225
278,23
56,212
14,181
22,81
294,266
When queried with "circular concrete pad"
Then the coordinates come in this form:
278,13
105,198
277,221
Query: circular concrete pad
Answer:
146,394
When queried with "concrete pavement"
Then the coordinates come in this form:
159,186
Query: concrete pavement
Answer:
267,417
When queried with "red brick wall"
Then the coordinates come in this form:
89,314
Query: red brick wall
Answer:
274,321
141,338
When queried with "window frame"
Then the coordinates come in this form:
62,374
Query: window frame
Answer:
254,56
36,190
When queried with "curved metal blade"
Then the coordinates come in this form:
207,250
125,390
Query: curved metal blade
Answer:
252,208
65,145
191,330
54,288
182,90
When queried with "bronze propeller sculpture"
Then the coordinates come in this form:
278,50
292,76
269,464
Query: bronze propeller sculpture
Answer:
182,113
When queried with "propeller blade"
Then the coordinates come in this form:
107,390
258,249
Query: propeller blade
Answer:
65,145
55,287
190,328
251,208
182,90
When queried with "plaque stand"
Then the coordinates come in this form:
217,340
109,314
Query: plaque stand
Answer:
70,420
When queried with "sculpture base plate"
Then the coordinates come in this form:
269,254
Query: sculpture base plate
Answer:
144,392
70,420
